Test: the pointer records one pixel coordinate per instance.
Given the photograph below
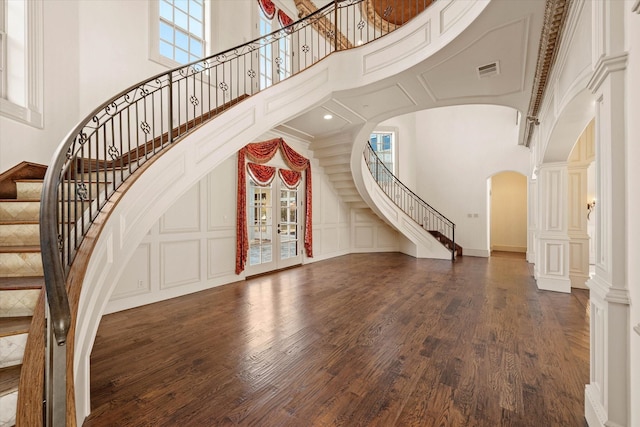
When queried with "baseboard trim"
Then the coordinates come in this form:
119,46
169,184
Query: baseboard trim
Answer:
553,284
484,253
507,248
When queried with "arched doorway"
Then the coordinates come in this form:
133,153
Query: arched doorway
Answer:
508,214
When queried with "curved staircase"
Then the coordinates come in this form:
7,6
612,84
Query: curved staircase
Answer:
130,203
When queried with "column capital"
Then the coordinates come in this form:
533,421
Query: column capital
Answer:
605,66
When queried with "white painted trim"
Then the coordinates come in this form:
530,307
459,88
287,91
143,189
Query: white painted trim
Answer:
483,253
605,66
506,248
552,284
594,412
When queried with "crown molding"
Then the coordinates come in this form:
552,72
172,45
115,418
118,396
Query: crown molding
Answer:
555,18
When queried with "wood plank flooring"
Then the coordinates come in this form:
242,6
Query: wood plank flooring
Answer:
359,340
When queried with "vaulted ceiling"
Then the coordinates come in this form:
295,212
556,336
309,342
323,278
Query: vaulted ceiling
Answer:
506,33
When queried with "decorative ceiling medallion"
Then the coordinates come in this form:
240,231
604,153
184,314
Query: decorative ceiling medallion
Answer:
268,8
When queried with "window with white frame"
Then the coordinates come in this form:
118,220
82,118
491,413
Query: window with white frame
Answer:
180,31
21,61
3,49
275,58
383,143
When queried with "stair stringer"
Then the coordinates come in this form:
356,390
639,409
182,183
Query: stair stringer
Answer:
419,242
179,168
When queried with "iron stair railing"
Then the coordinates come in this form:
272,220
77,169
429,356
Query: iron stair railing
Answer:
410,203
120,136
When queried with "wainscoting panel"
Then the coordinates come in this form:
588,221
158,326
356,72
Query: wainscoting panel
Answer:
220,206
555,259
179,263
221,255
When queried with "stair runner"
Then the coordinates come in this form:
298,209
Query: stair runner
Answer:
21,283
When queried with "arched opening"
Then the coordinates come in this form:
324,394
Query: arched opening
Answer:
508,214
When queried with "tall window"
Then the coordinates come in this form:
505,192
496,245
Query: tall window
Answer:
21,61
3,49
383,143
275,58
181,30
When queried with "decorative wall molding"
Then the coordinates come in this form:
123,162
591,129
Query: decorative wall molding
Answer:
555,16
605,66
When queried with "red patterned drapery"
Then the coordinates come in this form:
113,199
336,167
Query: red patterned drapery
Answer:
268,8
262,152
284,20
290,178
261,174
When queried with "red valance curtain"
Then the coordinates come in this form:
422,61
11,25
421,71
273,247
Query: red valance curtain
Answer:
290,178
261,174
268,8
262,152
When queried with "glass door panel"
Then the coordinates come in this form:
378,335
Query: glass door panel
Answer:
260,223
288,226
269,250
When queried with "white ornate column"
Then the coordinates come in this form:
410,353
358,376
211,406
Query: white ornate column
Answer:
607,401
552,251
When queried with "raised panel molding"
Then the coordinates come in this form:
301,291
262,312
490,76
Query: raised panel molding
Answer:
451,13
221,256
554,203
390,55
554,263
179,263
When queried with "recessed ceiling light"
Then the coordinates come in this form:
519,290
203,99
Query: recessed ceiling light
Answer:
328,117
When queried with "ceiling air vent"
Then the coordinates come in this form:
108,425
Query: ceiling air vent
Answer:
489,70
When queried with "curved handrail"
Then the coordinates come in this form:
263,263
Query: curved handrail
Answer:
107,147
409,202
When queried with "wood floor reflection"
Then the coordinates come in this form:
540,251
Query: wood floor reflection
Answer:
359,340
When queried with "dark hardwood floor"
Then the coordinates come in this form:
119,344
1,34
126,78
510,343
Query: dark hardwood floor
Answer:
359,340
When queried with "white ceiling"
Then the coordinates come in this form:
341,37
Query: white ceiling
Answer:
507,32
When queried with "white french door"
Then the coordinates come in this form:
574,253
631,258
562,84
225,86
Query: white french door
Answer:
273,224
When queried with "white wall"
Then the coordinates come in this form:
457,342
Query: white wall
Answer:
632,26
458,149
509,212
192,246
